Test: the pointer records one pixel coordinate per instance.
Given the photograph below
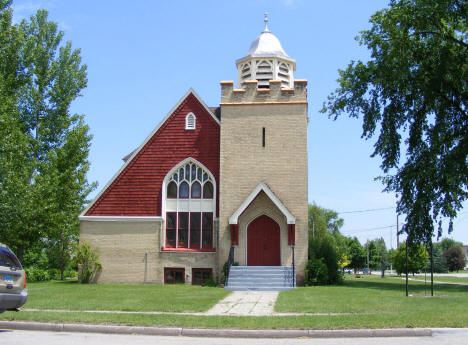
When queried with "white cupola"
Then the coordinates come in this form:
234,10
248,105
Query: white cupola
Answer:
266,60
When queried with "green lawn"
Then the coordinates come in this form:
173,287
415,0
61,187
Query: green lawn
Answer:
449,279
369,302
379,297
164,298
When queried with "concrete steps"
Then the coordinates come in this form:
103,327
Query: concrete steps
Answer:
261,278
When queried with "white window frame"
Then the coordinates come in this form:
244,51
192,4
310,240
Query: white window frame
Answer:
188,205
190,122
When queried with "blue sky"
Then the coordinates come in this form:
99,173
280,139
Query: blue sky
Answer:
142,57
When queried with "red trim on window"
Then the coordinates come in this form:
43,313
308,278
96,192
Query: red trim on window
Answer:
197,228
179,230
174,269
234,234
207,229
207,250
291,234
201,270
173,229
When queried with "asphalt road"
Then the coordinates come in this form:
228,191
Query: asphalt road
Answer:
440,337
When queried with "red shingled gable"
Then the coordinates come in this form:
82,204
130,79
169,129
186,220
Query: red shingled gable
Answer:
136,191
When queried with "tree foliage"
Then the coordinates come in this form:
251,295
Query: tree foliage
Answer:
413,93
377,254
417,258
44,147
440,264
326,254
447,243
455,258
357,254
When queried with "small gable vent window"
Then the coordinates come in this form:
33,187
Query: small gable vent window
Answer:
190,121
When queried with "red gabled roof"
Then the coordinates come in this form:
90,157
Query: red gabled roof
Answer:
136,188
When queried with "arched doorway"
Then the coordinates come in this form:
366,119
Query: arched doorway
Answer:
263,242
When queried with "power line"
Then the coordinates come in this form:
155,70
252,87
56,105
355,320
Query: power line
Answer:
369,210
370,229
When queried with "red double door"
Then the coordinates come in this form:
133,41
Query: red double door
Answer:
263,242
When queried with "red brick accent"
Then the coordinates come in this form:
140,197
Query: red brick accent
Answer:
291,234
234,234
137,190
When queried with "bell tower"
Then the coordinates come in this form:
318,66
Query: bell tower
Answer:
263,160
266,60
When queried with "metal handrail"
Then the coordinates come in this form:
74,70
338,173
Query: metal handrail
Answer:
230,262
294,268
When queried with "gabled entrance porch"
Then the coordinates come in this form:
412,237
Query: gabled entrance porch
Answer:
262,239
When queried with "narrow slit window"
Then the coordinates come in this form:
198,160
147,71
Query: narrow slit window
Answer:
263,137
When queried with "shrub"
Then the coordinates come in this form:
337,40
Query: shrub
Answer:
323,267
70,274
54,273
87,260
210,283
35,274
225,271
316,272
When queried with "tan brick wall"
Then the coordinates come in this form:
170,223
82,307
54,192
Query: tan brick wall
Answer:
281,164
123,244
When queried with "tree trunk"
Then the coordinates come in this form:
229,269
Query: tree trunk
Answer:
20,253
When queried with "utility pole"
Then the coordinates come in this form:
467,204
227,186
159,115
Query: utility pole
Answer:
432,270
397,233
406,249
367,246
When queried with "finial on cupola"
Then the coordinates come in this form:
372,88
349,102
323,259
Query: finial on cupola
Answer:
265,19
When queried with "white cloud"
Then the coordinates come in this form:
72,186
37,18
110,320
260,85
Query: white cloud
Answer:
26,9
292,3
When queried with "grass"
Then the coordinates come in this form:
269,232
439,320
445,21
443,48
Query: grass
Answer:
377,296
369,302
449,279
163,298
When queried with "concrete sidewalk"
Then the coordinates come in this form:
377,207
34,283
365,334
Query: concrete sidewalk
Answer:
246,303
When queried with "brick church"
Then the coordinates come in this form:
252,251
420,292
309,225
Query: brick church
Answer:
210,181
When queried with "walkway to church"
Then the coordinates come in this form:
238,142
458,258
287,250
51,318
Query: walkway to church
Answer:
246,303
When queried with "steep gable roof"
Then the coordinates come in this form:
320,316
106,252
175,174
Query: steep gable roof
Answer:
190,95
262,187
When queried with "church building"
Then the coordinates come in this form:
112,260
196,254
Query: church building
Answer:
213,182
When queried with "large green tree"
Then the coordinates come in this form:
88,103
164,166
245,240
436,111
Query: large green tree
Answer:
43,182
377,254
413,93
417,258
327,250
447,243
356,254
455,258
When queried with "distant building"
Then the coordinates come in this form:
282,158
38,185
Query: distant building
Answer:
210,178
465,251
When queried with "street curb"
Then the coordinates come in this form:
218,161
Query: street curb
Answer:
220,333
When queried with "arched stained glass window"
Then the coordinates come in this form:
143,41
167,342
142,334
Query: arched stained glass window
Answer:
208,190
196,190
190,208
172,190
184,190
190,181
